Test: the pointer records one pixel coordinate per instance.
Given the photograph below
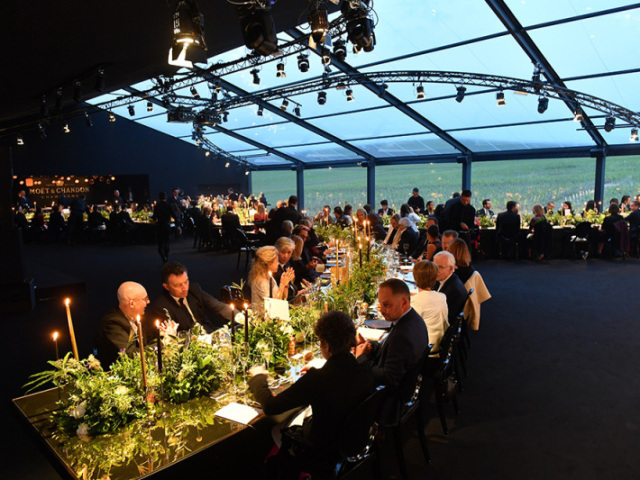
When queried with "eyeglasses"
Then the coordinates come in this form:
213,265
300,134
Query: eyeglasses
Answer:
145,299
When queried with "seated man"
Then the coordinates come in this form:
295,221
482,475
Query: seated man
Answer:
447,282
485,211
406,342
633,219
508,225
187,304
118,329
385,211
333,391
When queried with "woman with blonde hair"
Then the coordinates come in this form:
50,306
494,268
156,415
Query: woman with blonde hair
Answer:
261,280
431,305
458,248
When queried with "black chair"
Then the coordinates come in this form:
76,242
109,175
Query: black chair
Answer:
356,443
445,388
581,240
231,294
402,405
510,245
246,246
542,238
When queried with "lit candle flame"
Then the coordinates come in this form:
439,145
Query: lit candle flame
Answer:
246,306
138,318
67,301
157,323
55,336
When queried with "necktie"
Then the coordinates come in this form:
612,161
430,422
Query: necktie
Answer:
186,307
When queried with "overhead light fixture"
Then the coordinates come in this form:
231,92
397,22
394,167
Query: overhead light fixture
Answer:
319,23
218,87
189,46
77,91
194,91
226,165
149,107
460,93
207,153
634,135
359,26
112,117
609,124
322,98
132,110
44,108
66,128
246,172
578,115
100,80
258,30
280,70
260,112
42,131
256,78
420,93
225,116
285,104
326,56
87,119
19,139
500,99
349,93
543,104
303,63
297,111
340,50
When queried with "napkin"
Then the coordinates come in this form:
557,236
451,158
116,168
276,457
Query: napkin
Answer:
238,412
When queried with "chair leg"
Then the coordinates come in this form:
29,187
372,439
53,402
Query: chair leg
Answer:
421,435
239,255
397,440
246,260
454,402
462,359
440,405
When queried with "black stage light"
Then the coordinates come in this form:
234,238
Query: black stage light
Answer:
65,128
218,87
500,99
225,116
42,131
460,95
634,135
340,50
256,78
326,56
280,70
258,30
132,110
19,140
322,98
420,93
543,104
609,124
303,63
319,24
87,119
349,93
194,91
149,107
189,45
578,115
285,104
77,91
297,111
112,117
359,25
100,80
260,112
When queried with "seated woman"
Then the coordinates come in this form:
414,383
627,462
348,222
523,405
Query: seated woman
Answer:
434,245
458,248
377,229
361,216
567,209
408,237
305,272
590,207
333,391
537,233
261,214
261,280
431,305
407,212
607,228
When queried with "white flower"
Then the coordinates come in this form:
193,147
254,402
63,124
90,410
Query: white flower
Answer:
83,429
121,390
239,318
79,410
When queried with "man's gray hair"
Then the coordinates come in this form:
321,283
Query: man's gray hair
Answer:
451,260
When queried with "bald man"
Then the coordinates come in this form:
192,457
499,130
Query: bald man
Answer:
118,329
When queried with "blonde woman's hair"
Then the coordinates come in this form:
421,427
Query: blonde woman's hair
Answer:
537,210
284,243
260,268
261,208
458,248
425,273
297,250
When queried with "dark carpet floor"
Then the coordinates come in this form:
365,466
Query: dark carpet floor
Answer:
552,392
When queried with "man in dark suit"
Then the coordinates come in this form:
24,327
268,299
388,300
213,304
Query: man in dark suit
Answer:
416,201
333,391
23,201
291,211
485,211
508,223
187,304
163,214
117,199
633,219
385,211
118,329
447,282
405,343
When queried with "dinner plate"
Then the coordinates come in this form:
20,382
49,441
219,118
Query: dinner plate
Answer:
381,324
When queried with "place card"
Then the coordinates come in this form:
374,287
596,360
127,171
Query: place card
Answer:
238,412
371,334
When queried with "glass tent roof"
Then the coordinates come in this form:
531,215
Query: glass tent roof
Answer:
589,44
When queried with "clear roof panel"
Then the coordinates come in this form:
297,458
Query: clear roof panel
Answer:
321,153
283,134
541,11
413,145
619,89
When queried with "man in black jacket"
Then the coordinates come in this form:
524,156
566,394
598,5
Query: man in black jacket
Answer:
163,215
405,343
187,304
447,282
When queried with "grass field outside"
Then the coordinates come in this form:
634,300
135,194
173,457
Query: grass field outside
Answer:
530,182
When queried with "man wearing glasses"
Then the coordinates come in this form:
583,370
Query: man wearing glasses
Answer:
118,329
